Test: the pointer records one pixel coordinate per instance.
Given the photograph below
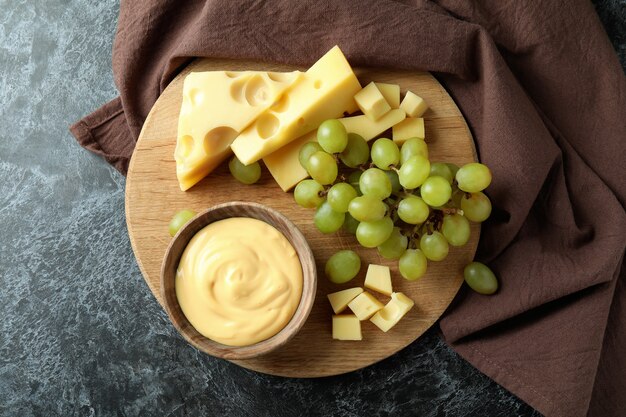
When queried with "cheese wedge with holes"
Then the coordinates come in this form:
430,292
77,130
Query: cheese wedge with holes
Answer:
325,91
369,129
284,164
216,107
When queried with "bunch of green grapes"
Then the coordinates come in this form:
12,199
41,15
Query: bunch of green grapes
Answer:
392,198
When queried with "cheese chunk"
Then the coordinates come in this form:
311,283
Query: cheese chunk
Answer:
391,92
216,106
325,91
369,129
371,102
339,300
365,305
378,278
407,129
391,314
346,327
413,105
284,164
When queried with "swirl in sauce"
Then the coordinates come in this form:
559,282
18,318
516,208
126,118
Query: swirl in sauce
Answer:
239,281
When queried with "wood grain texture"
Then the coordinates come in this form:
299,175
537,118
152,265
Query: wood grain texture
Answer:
179,243
153,196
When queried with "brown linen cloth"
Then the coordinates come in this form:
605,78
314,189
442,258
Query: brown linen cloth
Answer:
545,97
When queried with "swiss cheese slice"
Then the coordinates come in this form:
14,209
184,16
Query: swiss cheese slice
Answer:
216,107
325,91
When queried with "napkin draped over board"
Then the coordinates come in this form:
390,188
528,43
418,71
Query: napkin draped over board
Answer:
545,97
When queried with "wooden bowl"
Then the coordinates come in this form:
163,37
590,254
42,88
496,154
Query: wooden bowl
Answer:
178,245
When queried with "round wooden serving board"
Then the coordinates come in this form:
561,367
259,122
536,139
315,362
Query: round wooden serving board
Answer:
153,196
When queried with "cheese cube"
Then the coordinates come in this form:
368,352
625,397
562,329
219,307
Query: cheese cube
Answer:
365,305
325,91
378,278
216,107
391,314
371,102
407,129
346,327
369,129
413,105
339,300
284,164
391,92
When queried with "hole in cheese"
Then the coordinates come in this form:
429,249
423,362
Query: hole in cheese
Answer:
267,125
196,97
218,139
238,89
231,74
281,105
317,84
281,77
256,91
184,147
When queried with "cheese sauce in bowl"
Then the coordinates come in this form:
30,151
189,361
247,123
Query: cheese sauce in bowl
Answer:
238,280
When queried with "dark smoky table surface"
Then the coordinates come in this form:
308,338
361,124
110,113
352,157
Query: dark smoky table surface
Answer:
80,332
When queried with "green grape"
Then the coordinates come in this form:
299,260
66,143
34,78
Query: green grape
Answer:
179,220
476,207
394,246
480,278
375,183
436,191
454,168
332,136
441,170
434,246
350,224
366,208
306,151
353,180
413,147
384,153
473,177
413,210
343,266
322,168
308,194
372,234
395,181
457,195
412,264
340,195
456,229
414,172
356,153
328,220
247,174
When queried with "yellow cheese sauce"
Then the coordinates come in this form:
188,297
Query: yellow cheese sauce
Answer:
239,281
